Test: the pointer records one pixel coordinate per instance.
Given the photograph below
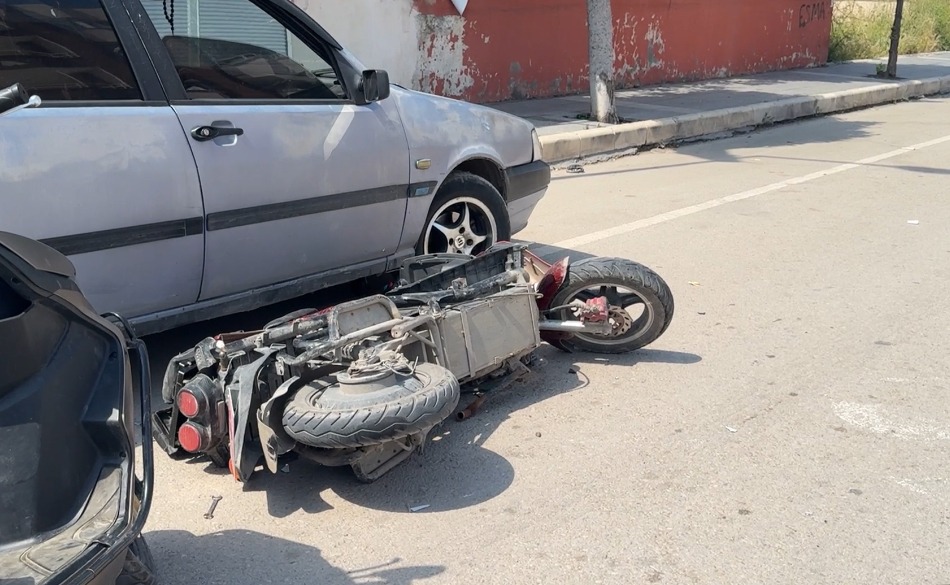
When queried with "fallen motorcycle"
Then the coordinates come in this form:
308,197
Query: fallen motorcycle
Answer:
364,382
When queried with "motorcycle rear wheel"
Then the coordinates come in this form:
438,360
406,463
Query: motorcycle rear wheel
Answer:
627,285
336,417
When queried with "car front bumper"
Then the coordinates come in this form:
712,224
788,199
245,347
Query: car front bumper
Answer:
526,186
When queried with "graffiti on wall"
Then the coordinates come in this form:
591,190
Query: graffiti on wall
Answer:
810,12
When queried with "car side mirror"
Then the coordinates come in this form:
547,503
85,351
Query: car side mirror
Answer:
373,86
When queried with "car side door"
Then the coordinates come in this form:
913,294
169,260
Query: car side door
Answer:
102,170
297,178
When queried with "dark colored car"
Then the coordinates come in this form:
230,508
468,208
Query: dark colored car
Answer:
73,387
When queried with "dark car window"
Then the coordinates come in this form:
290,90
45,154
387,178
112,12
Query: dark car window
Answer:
63,50
232,49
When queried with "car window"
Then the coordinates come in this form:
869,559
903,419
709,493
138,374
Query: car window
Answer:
63,50
232,49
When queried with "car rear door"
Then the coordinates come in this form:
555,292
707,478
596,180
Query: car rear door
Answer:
297,179
102,171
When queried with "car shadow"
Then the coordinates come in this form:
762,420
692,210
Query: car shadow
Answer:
244,557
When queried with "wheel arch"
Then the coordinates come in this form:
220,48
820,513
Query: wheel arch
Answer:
487,169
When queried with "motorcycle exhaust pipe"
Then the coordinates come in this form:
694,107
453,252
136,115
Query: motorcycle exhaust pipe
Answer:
471,409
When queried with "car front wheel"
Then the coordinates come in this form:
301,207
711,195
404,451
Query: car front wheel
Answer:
468,216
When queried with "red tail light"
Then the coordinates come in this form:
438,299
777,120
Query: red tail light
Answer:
188,404
193,438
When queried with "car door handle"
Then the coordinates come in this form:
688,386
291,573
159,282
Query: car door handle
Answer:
205,133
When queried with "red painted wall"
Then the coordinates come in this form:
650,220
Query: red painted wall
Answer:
516,49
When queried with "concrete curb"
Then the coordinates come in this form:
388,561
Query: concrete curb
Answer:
598,141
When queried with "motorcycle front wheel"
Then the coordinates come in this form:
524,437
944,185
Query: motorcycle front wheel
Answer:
640,303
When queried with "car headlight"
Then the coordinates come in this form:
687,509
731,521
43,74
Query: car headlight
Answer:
537,153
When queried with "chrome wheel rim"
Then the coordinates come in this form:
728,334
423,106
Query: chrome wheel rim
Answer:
463,225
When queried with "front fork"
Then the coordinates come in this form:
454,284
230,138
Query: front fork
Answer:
591,316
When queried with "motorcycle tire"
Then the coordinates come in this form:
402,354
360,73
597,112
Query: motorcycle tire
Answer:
328,417
653,293
139,568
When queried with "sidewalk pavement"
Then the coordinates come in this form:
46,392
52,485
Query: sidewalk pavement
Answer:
666,114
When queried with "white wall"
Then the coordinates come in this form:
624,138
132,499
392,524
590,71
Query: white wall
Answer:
383,34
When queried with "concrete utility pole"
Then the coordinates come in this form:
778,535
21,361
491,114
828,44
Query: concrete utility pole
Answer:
600,33
895,40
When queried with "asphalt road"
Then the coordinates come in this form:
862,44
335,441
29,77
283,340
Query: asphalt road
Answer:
792,425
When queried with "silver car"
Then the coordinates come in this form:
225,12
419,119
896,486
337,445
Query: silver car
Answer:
198,158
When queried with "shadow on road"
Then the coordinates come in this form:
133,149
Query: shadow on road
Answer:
251,558
455,470
451,472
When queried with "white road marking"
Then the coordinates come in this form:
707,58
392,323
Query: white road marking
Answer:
713,203
909,484
873,418
934,484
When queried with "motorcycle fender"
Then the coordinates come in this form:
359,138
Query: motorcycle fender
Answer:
274,440
551,283
240,401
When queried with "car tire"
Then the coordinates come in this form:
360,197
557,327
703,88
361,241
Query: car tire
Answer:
482,199
139,567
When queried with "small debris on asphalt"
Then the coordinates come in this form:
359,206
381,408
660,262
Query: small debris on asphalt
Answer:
601,360
285,468
694,283
575,169
573,370
769,355
701,312
732,430
913,221
417,508
538,434
214,504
